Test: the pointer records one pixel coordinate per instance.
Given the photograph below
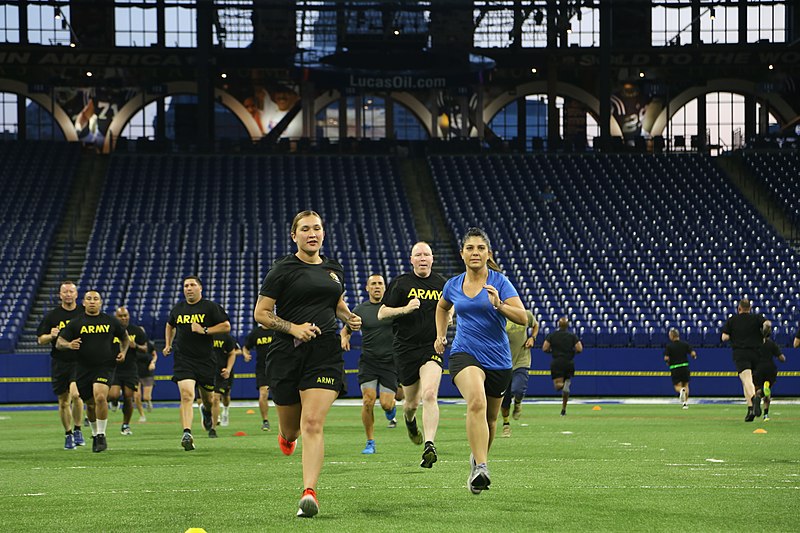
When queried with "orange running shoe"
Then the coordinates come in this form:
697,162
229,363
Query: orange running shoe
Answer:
309,506
286,447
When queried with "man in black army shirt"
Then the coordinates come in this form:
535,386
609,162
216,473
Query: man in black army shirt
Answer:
190,326
92,337
260,338
126,377
62,364
411,300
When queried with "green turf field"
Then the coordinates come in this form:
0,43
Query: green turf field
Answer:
622,468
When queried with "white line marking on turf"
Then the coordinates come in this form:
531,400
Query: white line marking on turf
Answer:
715,460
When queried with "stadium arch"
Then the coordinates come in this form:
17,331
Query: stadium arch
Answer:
140,101
413,104
775,102
59,115
537,87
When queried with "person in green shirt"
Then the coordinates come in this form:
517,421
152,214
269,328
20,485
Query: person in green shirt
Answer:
521,339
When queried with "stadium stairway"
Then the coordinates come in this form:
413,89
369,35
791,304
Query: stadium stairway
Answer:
68,251
759,196
427,214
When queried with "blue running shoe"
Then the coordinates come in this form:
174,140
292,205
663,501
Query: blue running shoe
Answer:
369,449
390,415
69,442
77,434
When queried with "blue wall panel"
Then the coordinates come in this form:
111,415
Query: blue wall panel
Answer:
24,378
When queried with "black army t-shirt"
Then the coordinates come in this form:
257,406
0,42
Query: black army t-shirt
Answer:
260,339
183,315
224,344
97,335
305,292
376,335
562,344
678,352
129,366
58,318
416,329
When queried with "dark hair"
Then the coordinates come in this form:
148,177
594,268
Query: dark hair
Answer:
194,278
478,232
66,282
563,323
744,303
303,214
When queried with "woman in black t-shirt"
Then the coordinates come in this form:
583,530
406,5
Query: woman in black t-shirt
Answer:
300,299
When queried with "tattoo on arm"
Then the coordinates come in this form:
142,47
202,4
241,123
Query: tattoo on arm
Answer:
279,324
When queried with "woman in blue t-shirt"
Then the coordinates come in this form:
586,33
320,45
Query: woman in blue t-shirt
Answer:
480,359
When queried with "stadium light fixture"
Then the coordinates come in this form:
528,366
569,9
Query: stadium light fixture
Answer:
58,13
538,17
533,70
89,74
771,66
569,27
223,75
641,74
712,14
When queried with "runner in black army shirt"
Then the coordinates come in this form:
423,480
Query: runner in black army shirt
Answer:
766,372
300,299
126,377
676,355
744,331
92,337
62,364
190,325
225,349
411,299
562,345
260,339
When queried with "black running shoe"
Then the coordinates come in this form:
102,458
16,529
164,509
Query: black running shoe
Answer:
756,406
212,433
101,443
94,443
750,416
428,456
206,418
413,431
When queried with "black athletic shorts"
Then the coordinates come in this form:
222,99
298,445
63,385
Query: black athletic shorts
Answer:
222,385
202,371
745,359
765,372
261,372
62,373
679,375
561,367
409,363
128,380
316,364
87,376
385,374
496,382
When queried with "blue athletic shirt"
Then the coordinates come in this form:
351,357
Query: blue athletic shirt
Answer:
481,329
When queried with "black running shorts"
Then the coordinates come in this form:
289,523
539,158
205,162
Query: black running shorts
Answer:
87,376
62,373
561,368
202,371
496,382
316,364
409,363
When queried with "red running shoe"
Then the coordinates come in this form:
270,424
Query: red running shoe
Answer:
286,447
309,506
